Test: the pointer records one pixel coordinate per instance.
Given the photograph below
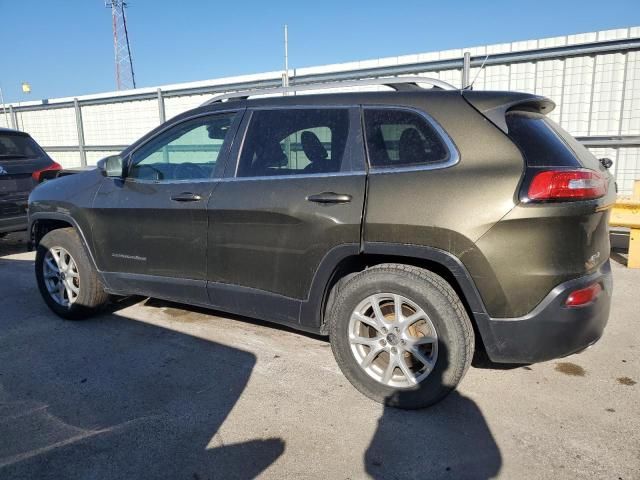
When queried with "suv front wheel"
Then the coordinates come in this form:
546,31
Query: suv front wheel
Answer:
67,280
401,335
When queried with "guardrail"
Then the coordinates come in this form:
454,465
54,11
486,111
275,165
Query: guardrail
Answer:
626,213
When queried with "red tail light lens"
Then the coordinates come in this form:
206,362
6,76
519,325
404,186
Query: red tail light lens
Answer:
567,185
38,174
584,296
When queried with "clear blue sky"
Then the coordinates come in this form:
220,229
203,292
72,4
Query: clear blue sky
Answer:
65,47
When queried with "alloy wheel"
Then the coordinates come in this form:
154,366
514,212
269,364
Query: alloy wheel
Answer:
393,340
61,276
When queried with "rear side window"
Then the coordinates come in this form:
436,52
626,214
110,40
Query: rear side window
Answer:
536,137
18,146
401,138
294,141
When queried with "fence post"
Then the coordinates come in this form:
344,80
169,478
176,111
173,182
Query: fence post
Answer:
466,69
80,128
14,119
161,111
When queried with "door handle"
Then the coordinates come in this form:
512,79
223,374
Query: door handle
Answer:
186,197
330,197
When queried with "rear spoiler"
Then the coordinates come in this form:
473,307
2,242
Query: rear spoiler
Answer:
495,105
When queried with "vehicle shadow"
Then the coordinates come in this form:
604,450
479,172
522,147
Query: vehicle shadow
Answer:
13,243
448,440
114,397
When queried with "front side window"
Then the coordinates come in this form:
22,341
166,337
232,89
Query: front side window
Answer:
401,138
187,151
294,141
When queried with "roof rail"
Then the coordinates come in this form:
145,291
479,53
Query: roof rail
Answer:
400,84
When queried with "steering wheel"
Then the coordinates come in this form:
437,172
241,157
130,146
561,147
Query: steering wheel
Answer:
188,170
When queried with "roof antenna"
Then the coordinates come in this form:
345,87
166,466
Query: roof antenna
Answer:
470,87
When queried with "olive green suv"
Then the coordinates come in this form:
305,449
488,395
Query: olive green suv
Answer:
413,227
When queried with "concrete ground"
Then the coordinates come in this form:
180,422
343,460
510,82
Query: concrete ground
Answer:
159,391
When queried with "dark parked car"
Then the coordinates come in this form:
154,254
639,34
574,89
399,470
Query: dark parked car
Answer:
23,164
411,226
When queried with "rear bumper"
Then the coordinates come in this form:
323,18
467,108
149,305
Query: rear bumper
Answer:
13,212
551,330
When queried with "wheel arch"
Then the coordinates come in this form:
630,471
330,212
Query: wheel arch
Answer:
42,223
433,259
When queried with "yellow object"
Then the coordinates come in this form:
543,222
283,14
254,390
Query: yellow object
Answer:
626,213
634,249
26,87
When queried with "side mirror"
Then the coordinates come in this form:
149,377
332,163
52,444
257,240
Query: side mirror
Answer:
606,162
111,166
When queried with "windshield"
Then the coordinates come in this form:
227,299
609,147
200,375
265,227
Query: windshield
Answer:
18,146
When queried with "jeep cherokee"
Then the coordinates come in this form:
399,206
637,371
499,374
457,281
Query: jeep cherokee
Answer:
411,226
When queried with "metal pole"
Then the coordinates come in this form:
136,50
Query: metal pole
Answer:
162,114
4,108
591,93
161,111
79,127
285,77
561,102
624,92
466,69
622,104
14,119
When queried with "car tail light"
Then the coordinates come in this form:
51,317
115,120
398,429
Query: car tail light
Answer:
38,174
579,184
584,296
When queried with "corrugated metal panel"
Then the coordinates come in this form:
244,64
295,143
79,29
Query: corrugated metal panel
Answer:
119,123
50,127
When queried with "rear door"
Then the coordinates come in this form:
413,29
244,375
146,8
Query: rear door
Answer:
295,195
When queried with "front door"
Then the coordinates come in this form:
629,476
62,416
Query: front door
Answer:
295,196
150,228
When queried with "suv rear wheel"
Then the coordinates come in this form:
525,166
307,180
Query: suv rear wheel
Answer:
401,335
66,278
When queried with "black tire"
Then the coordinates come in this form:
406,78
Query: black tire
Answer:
446,312
91,296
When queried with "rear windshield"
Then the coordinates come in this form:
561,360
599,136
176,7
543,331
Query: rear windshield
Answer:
587,158
18,146
539,141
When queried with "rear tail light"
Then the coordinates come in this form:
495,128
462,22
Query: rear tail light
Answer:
584,296
41,174
579,184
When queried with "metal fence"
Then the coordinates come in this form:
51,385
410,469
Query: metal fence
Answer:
594,78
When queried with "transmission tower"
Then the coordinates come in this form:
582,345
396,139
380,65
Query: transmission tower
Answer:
123,62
